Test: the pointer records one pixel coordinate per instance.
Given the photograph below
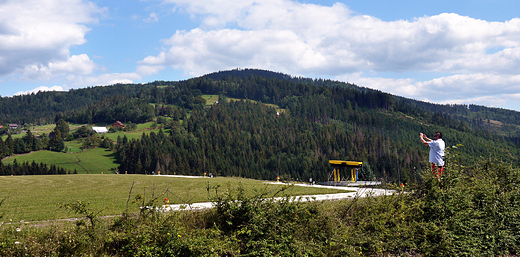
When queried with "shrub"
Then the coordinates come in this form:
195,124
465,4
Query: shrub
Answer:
472,211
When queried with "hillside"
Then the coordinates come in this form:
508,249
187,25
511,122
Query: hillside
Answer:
322,120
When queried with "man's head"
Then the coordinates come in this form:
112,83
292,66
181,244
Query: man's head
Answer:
438,135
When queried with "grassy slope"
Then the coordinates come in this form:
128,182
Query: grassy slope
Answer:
276,107
210,99
93,161
36,197
141,128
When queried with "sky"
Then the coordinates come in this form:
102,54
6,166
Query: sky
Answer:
446,52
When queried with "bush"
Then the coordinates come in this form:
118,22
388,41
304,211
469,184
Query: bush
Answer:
474,211
263,226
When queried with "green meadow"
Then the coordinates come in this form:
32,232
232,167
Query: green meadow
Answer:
137,133
210,99
34,198
93,161
276,107
40,129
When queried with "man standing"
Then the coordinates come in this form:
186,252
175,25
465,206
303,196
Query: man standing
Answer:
437,146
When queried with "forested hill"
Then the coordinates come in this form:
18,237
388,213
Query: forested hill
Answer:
288,126
475,115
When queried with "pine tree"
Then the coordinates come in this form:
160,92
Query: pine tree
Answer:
56,142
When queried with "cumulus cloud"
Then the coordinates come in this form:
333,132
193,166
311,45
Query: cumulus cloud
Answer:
102,79
332,39
35,36
477,88
40,89
76,64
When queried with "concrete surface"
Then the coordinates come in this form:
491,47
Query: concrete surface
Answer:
355,192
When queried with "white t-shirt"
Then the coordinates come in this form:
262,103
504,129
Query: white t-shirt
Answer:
437,151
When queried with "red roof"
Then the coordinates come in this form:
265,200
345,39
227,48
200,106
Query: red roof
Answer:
118,124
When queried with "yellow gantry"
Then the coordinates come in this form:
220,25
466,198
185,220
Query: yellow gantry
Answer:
338,165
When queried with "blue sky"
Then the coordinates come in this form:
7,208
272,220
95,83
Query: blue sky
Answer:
465,52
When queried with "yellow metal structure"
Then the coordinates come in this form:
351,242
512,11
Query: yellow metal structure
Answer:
338,165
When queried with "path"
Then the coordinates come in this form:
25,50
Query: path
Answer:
353,192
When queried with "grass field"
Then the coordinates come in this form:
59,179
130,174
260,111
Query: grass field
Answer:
73,146
276,107
93,161
31,198
137,133
38,130
210,99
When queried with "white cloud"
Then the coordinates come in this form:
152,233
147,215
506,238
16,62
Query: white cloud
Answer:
40,89
145,70
102,79
153,17
37,34
492,101
200,52
402,87
478,88
330,40
82,80
76,64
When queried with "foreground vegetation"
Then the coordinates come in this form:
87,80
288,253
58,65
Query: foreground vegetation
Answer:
468,212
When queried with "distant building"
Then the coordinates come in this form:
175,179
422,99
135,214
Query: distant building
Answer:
118,124
100,130
13,126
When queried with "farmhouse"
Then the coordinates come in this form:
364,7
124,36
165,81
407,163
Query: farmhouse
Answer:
13,126
100,130
118,124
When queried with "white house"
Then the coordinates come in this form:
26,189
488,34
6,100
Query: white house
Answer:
100,130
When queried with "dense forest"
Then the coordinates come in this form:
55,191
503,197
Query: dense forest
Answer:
269,124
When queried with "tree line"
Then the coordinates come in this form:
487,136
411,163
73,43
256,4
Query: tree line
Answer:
31,168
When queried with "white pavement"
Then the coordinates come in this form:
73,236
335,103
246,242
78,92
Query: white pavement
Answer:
353,192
